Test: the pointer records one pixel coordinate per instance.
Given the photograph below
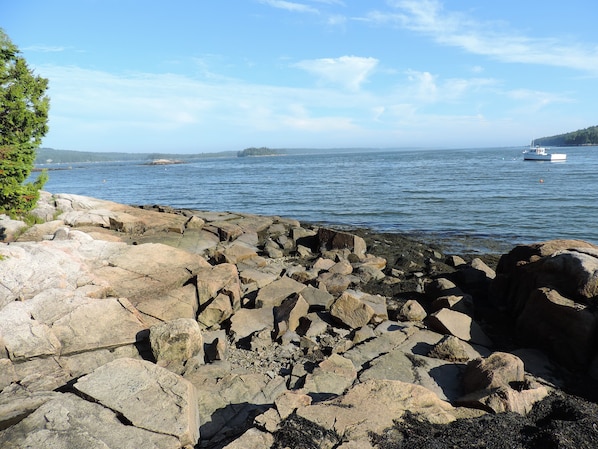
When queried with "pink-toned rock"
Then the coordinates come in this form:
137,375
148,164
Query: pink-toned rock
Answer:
274,293
497,370
374,406
222,278
351,310
412,311
333,239
288,314
248,321
504,399
448,321
290,401
561,326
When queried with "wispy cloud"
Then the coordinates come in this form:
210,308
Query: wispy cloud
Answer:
429,17
44,48
330,2
290,6
424,87
347,71
161,111
533,100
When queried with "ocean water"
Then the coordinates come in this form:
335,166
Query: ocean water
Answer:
446,194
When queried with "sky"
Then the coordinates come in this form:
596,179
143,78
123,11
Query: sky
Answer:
196,76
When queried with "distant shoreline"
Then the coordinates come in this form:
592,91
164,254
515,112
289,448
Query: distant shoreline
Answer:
165,162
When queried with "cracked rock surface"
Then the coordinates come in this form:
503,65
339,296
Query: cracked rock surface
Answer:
124,326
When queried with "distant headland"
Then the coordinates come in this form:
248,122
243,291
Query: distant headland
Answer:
53,156
587,136
262,151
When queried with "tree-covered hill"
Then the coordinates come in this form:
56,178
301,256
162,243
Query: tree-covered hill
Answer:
51,155
262,151
587,136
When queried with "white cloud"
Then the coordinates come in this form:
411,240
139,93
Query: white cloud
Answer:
44,49
347,71
330,2
491,39
533,100
423,85
289,6
94,110
336,20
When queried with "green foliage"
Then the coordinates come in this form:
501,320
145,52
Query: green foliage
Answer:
47,155
587,136
23,123
263,151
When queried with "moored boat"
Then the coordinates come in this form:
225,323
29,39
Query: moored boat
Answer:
538,153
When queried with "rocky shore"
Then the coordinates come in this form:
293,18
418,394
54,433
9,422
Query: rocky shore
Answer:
129,327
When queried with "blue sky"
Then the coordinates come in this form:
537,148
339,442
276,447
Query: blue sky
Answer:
194,76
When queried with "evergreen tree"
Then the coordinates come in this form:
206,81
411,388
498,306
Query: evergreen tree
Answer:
23,123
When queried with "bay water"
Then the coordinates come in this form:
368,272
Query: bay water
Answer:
465,195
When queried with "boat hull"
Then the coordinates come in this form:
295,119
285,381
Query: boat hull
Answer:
554,157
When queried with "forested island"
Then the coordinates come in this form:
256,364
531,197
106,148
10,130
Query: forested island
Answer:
54,156
587,136
51,155
262,151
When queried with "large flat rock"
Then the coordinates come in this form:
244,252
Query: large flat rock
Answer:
148,396
68,421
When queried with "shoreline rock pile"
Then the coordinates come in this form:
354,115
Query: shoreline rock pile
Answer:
126,326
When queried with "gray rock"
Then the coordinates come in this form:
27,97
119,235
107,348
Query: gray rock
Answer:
147,395
317,298
16,403
226,401
8,374
90,325
24,337
247,321
363,353
332,376
170,305
394,365
29,268
68,421
176,342
41,374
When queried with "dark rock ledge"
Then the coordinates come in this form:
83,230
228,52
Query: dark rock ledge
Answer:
127,326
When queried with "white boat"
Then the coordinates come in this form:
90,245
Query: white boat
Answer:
538,153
